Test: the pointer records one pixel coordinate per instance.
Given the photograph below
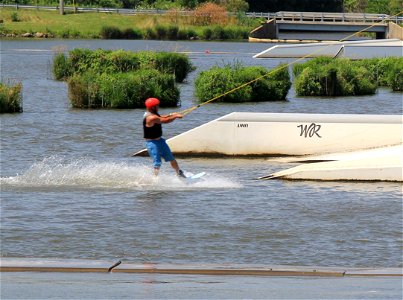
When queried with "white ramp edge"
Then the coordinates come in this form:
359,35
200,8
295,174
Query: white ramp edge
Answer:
349,49
383,164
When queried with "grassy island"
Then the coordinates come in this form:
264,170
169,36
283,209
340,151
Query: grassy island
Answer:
344,77
79,61
121,79
219,80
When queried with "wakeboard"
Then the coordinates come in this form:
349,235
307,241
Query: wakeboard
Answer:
198,175
195,177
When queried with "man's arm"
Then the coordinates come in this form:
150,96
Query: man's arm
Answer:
154,119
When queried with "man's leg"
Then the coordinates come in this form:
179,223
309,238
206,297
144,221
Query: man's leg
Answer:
179,172
174,164
154,154
168,156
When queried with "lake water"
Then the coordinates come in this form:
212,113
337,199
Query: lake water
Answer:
70,189
39,285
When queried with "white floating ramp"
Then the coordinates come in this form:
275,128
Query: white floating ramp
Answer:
348,49
278,134
382,164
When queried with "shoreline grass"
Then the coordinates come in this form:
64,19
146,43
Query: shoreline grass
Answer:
91,25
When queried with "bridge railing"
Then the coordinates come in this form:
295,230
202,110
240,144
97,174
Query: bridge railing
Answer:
325,17
267,15
329,17
94,9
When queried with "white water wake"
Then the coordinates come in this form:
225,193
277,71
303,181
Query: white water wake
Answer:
85,173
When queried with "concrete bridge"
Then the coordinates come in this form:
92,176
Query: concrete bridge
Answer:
309,22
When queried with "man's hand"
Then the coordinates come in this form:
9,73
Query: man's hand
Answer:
176,115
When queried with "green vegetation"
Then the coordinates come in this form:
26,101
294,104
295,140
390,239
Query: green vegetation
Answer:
10,98
80,61
14,17
171,26
173,32
121,79
231,5
395,77
206,20
219,80
385,71
343,77
390,7
338,78
369,6
122,90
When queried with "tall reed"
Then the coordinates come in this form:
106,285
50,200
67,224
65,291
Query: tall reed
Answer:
80,61
122,90
395,77
339,77
174,32
325,76
10,98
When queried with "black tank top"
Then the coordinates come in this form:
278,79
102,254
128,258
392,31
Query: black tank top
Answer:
152,132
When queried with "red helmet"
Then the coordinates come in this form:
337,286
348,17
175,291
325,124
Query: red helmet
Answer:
151,102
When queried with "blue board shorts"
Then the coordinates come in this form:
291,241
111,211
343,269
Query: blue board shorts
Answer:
157,149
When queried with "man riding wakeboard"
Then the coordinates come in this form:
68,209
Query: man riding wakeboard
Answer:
155,143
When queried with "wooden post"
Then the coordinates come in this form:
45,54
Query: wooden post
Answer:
61,7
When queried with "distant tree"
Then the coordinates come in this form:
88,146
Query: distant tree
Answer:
391,7
234,5
378,7
210,13
188,3
296,5
98,3
395,6
109,3
132,4
356,6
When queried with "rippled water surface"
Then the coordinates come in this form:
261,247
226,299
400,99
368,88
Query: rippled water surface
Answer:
70,189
